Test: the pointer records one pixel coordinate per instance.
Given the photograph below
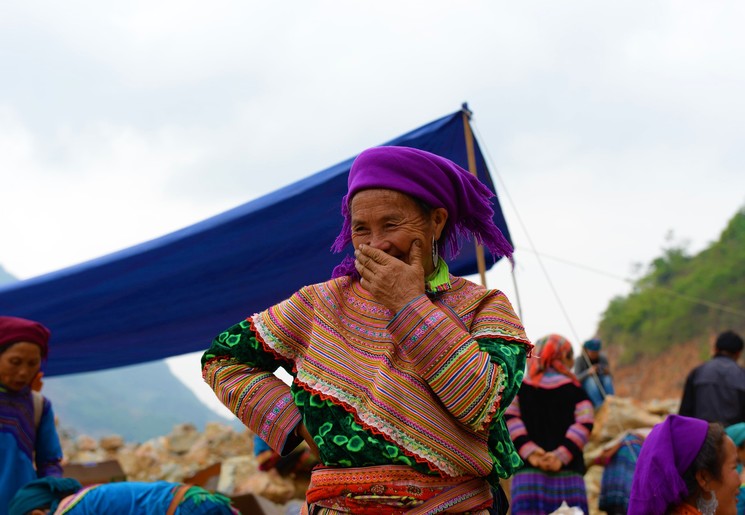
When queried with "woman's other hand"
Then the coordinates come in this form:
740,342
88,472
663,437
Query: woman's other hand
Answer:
550,462
535,458
37,384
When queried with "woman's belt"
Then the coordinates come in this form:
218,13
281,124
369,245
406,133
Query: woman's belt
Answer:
394,490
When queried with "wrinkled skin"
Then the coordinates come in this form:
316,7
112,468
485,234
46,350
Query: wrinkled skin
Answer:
393,238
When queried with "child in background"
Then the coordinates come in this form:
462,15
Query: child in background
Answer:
62,496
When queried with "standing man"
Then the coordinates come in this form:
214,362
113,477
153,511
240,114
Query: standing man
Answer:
715,390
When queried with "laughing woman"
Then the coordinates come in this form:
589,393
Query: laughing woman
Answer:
401,370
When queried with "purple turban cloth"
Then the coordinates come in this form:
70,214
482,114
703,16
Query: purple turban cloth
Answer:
666,454
14,330
433,179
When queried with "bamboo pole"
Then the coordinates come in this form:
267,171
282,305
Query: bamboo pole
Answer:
480,260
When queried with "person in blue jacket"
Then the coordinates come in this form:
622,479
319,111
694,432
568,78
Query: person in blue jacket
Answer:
62,496
29,444
593,372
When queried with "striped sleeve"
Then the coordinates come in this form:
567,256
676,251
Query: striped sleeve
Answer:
463,377
240,372
578,434
518,432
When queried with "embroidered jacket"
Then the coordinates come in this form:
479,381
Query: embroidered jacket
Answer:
425,387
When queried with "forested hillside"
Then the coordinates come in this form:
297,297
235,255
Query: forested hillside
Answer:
681,298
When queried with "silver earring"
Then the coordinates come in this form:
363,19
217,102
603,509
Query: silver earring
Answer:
435,253
707,506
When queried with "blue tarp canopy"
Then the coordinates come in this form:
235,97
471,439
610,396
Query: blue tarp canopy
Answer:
173,294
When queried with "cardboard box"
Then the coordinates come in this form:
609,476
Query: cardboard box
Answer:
94,473
207,478
250,504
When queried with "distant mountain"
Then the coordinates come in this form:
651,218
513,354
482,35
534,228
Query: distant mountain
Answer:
5,276
137,402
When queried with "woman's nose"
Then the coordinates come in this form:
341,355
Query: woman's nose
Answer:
377,241
26,372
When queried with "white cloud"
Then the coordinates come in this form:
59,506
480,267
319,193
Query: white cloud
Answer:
103,189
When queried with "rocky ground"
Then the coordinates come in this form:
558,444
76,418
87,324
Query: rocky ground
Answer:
661,377
222,457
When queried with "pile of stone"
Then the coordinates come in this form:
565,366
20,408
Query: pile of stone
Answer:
184,453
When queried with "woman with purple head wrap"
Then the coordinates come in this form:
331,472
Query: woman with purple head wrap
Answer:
686,466
401,371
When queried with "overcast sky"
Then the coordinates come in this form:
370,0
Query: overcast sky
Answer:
607,125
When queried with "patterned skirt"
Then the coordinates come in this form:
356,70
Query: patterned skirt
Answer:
535,492
615,486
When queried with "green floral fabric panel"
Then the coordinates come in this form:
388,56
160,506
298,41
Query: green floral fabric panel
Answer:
511,357
240,342
341,441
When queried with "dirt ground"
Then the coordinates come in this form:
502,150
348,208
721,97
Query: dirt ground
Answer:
659,378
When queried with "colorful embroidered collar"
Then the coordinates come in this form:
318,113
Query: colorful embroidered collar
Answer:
439,280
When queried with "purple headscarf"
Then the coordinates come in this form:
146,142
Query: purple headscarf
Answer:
437,181
666,454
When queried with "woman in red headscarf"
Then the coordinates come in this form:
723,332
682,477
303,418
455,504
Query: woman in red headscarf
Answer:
29,445
550,421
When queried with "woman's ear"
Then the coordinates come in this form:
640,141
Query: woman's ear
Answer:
702,478
439,218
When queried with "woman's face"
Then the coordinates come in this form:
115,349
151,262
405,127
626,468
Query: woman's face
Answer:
391,221
19,364
569,360
728,486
